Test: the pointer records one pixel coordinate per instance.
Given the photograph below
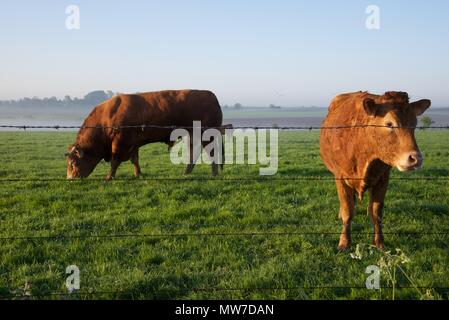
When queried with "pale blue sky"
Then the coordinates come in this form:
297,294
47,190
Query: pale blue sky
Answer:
291,53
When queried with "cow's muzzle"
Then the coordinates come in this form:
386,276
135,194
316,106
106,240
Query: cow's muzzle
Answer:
410,161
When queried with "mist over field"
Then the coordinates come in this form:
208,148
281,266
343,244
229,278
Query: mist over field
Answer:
74,115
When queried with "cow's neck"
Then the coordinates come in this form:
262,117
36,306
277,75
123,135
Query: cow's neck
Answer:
372,173
91,141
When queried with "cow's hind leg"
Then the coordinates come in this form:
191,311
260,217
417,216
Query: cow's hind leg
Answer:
135,161
214,164
214,169
375,208
214,153
195,152
346,196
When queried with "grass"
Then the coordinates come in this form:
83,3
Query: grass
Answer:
185,265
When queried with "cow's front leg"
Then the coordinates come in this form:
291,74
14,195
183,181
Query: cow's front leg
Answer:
346,196
135,162
375,208
114,165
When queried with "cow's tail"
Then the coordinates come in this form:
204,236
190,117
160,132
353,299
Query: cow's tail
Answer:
222,155
223,132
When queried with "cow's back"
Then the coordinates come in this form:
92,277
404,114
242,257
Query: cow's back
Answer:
122,117
164,108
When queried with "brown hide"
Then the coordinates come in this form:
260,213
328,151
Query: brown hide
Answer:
164,108
361,157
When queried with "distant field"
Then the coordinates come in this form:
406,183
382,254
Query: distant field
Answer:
255,113
269,239
247,116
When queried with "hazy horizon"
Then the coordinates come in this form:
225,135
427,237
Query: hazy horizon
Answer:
230,106
293,53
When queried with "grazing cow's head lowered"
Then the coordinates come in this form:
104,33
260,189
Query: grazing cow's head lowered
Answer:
393,119
79,164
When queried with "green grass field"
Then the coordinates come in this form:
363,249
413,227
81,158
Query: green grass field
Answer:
211,239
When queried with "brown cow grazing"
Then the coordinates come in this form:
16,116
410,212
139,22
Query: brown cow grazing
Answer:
108,139
361,157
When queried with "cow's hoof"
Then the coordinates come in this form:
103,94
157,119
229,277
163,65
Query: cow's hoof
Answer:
379,245
345,242
343,247
137,174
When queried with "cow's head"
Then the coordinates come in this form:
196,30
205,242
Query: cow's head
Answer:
394,140
79,163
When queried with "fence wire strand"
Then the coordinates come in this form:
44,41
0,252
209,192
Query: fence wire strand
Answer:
211,289
203,179
62,237
172,127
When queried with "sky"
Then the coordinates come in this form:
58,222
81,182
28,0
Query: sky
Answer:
255,52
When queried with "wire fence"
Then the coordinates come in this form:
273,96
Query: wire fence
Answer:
204,179
217,179
216,234
172,127
442,234
151,292
244,179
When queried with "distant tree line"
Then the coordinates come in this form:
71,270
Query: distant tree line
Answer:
240,106
235,106
91,99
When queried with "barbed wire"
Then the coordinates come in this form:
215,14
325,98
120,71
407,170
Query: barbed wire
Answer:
213,289
172,127
202,179
216,234
249,225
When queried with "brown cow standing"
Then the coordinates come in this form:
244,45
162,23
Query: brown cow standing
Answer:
116,145
361,157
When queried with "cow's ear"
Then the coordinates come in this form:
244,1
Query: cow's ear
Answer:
79,152
75,151
418,107
371,108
